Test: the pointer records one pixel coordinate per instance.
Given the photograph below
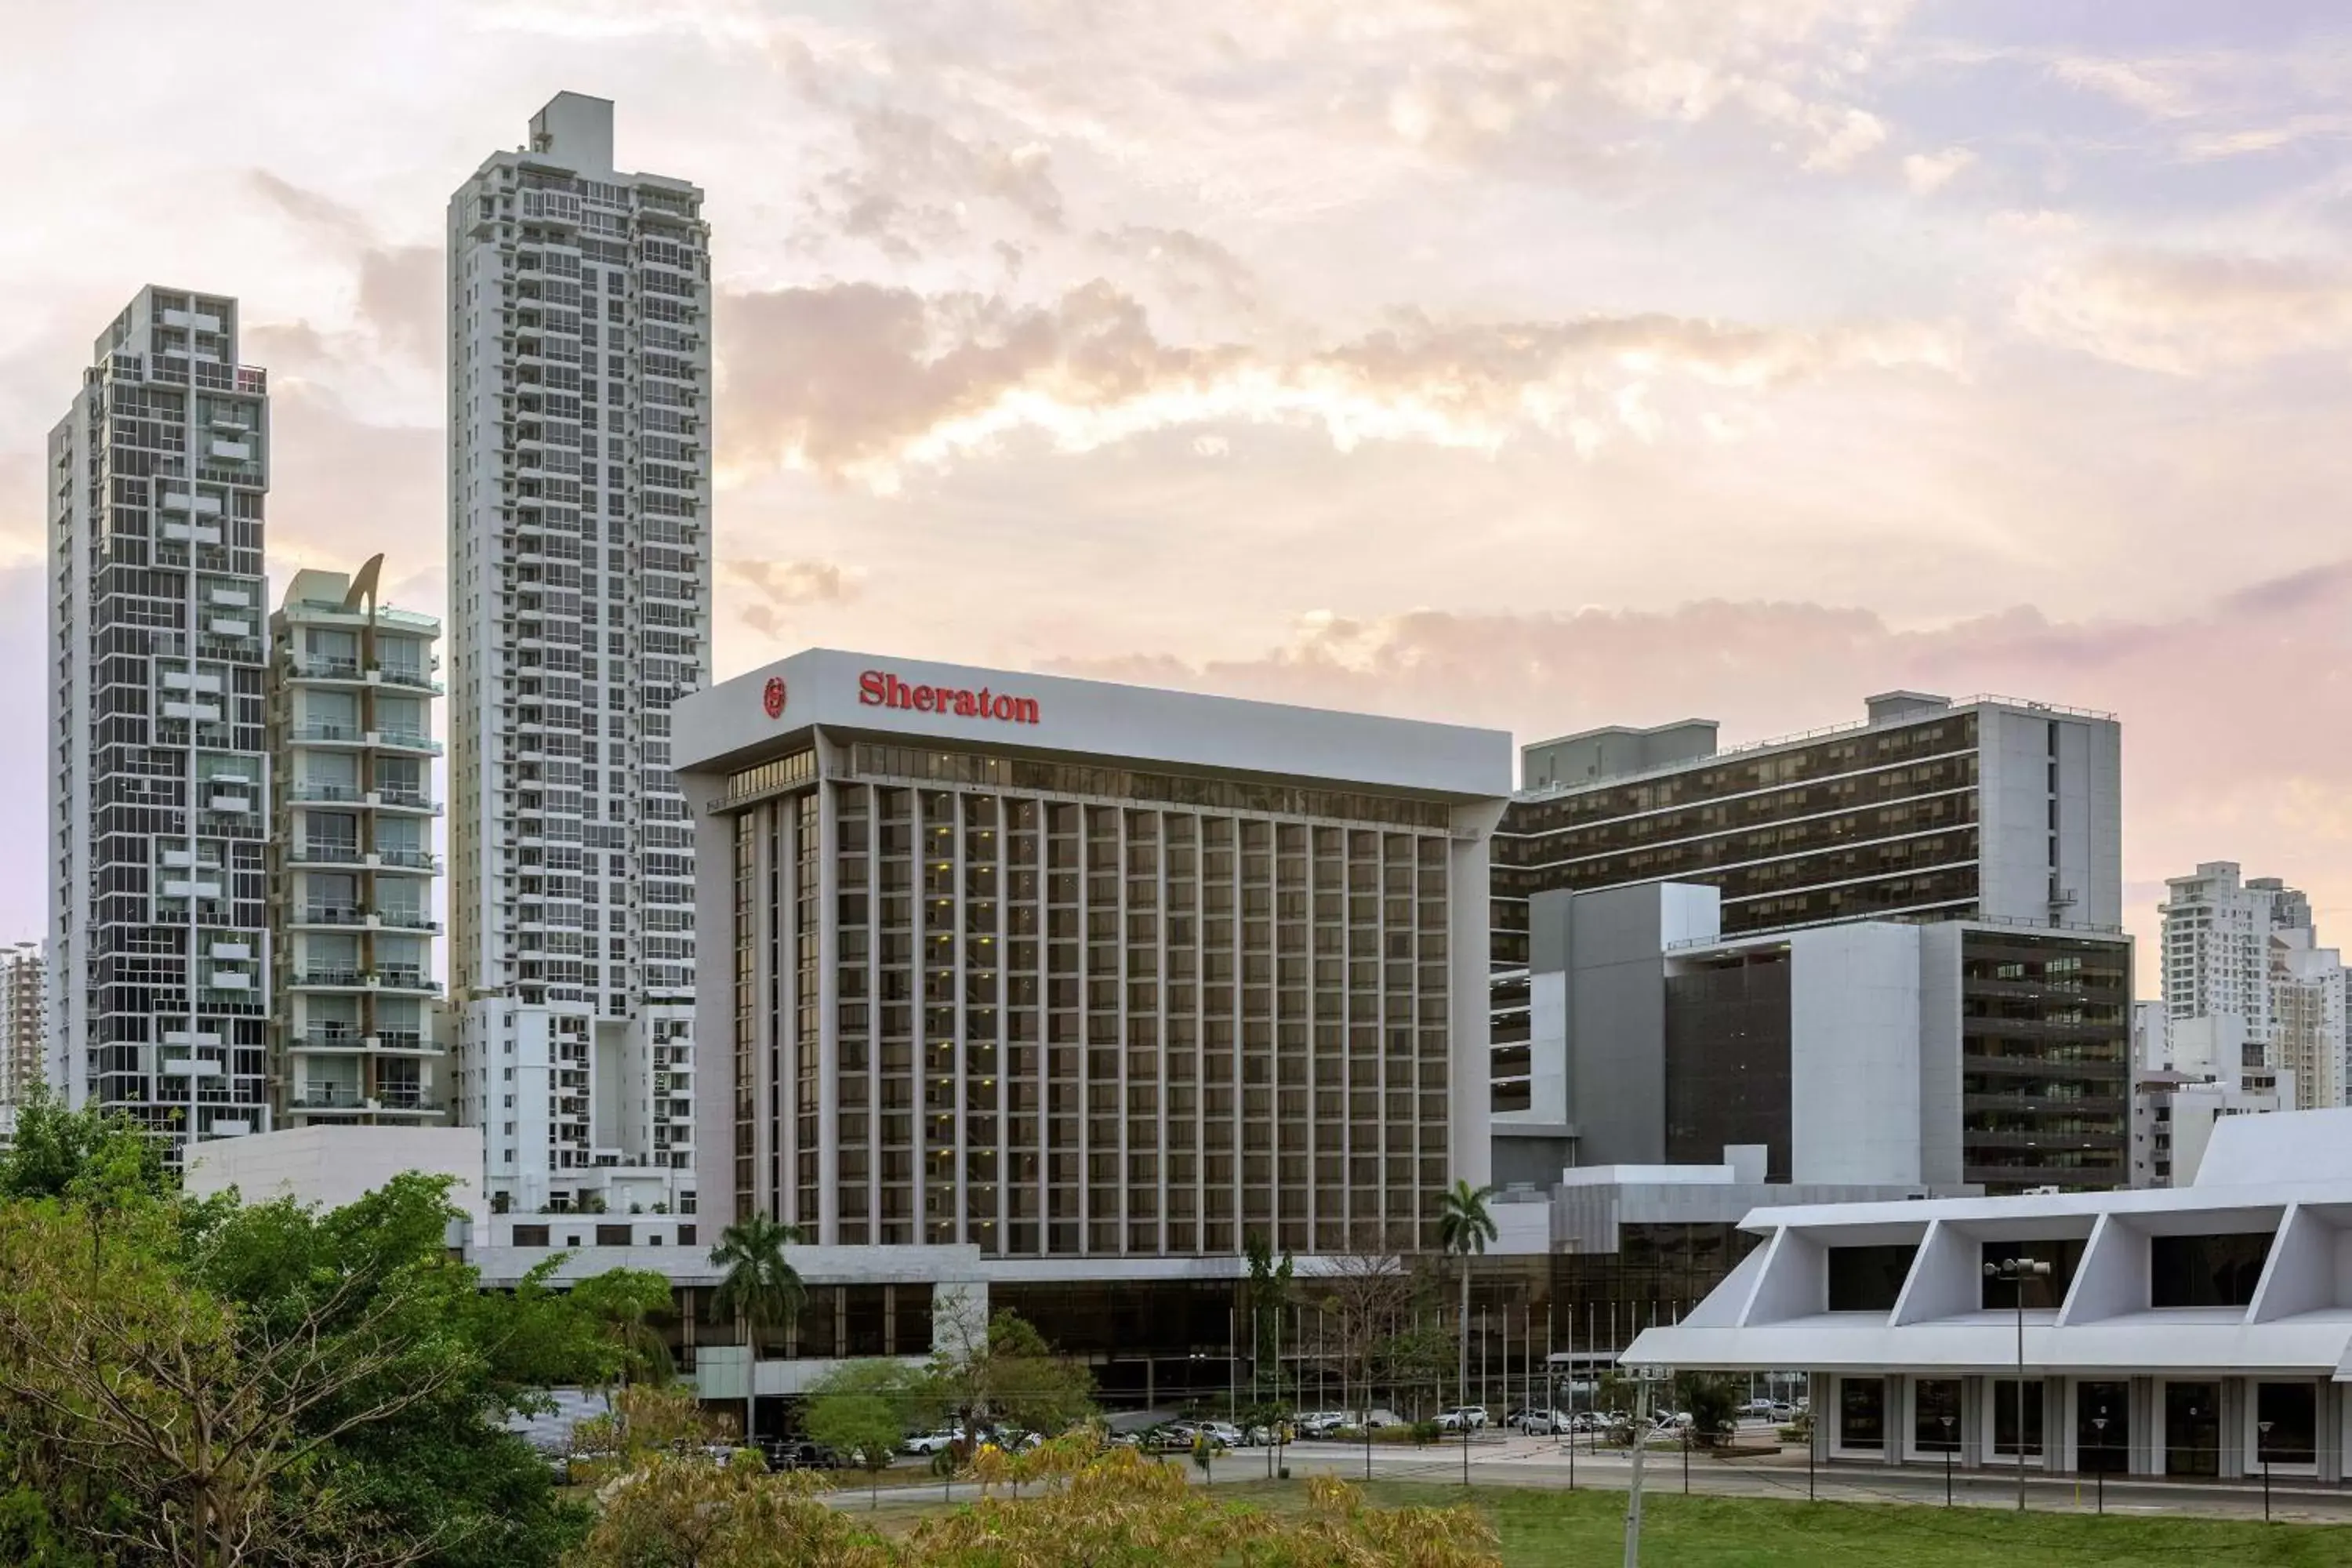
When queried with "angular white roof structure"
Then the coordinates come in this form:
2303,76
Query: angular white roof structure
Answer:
2283,1181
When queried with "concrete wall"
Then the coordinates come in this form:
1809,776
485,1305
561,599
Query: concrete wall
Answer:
334,1167
1612,951
1853,1066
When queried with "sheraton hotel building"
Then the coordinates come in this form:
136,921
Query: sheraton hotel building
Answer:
1092,979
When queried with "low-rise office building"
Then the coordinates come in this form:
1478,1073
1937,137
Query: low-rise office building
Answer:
1998,818
1097,979
1888,1053
2200,1330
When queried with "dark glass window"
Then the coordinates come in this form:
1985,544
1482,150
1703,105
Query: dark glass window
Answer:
1726,1062
2005,1412
1862,1412
2205,1270
530,1235
1933,1399
2291,1411
1868,1278
612,1236
2063,1256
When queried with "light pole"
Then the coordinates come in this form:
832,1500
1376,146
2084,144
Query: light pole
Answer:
2264,1428
1949,1445
2015,1272
2099,1426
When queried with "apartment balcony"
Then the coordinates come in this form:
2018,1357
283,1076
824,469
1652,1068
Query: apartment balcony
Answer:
404,1042
404,800
423,860
405,980
410,1101
316,666
318,734
337,1042
337,1100
406,920
406,740
331,915
407,678
310,791
331,977
342,854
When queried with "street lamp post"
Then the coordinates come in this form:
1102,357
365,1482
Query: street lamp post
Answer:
2015,1272
1948,1446
2099,1427
2264,1428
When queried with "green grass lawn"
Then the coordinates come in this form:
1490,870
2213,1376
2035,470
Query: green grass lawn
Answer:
1554,1527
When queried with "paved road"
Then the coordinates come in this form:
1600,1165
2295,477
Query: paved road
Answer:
1544,1462
1498,1460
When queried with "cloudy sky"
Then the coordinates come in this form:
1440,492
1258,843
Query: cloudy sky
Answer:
1538,364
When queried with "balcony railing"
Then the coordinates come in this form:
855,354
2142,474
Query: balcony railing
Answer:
326,1100
401,977
410,860
329,852
416,799
393,1099
316,732
310,790
329,974
408,740
401,675
407,920
330,1040
324,667
332,915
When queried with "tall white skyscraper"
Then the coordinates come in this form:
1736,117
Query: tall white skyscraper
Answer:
580,591
157,770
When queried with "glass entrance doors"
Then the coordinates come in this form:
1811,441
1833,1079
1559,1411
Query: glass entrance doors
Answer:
2097,1447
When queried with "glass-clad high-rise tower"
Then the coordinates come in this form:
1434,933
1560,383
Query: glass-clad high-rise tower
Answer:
580,590
157,768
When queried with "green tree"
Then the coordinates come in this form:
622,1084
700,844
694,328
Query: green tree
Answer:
208,1384
623,1303
1001,1369
1269,1293
1712,1402
87,1153
760,1291
863,1410
1464,1229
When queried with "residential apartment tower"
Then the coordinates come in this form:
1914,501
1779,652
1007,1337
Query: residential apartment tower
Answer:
580,589
157,770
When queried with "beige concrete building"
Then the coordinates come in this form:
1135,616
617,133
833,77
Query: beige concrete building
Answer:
351,858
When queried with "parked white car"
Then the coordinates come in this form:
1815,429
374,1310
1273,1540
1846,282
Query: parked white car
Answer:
925,1444
1472,1416
1542,1422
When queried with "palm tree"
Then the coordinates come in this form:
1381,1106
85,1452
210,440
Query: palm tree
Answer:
760,1291
1464,1227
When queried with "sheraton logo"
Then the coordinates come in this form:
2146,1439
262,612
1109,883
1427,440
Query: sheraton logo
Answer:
880,689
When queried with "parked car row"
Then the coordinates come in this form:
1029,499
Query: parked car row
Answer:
923,1445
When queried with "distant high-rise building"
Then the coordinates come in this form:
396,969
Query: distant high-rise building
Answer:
158,774
24,1025
351,860
2243,970
580,586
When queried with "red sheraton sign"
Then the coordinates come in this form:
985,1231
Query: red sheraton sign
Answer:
880,689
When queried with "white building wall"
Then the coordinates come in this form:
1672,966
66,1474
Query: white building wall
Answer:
1853,1069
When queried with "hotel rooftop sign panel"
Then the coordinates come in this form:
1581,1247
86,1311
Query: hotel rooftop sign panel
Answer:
745,717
